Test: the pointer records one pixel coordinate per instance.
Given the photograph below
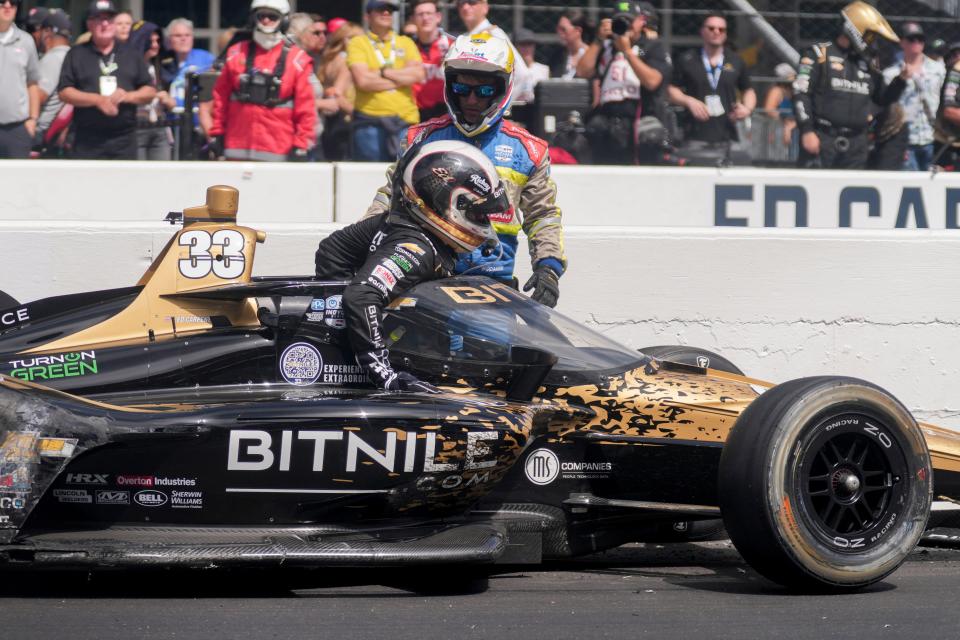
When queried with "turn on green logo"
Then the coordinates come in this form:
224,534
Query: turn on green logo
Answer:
66,365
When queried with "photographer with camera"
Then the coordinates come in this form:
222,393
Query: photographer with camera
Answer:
263,102
632,67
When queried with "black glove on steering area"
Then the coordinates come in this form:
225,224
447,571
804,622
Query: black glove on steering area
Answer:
297,155
546,286
403,381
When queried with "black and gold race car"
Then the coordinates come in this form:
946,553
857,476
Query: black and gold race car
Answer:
207,417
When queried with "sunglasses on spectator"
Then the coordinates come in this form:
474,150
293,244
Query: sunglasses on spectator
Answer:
268,16
12,3
915,39
479,90
319,32
719,29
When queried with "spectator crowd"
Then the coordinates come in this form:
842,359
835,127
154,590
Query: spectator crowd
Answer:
301,87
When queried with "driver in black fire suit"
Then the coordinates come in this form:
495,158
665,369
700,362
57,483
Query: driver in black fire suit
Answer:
836,87
445,193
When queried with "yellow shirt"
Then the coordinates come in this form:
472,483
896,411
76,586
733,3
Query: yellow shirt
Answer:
394,52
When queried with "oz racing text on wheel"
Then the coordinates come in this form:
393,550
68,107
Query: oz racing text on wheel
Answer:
825,483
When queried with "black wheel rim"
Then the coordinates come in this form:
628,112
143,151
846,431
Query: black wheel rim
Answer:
852,475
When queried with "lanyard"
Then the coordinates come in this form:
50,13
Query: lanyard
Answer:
393,51
110,67
713,73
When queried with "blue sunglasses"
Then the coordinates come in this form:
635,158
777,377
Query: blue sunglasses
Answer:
479,90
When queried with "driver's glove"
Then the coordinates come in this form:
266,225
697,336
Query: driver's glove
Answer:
215,147
546,286
403,381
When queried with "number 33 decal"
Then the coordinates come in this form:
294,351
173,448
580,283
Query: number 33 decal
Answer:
228,264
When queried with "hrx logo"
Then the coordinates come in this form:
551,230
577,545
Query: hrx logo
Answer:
87,478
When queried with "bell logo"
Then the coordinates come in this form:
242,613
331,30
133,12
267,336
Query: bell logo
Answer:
542,467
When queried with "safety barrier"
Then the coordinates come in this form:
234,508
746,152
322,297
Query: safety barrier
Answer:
840,280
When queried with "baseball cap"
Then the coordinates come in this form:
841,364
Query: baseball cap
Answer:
376,5
98,7
644,9
58,22
335,23
911,30
523,35
35,17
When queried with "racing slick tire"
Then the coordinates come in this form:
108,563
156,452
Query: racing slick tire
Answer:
693,356
825,484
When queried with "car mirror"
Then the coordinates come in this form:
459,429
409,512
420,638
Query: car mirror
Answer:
531,366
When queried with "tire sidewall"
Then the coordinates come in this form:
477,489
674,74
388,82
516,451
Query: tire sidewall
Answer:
802,423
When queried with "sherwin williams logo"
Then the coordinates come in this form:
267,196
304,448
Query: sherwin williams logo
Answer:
65,365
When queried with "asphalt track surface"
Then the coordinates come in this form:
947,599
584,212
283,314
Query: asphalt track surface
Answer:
698,591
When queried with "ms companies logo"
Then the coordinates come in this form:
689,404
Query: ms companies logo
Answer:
542,467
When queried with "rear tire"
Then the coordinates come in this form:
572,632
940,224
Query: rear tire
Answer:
694,356
825,484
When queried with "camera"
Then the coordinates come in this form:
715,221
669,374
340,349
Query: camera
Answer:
621,24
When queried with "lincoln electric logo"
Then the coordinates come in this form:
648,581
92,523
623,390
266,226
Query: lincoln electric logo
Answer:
64,365
542,467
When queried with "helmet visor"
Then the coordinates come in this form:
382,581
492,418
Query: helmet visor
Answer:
479,211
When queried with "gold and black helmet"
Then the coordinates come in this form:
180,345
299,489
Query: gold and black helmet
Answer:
862,23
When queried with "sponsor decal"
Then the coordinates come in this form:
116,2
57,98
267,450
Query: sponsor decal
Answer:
343,374
443,174
15,501
401,262
703,362
14,318
57,447
19,446
333,315
503,217
503,153
407,254
256,450
393,268
77,496
154,481
542,467
314,317
14,476
186,499
373,323
113,497
413,248
65,365
150,498
383,274
87,478
318,304
432,483
135,481
377,239
480,183
301,364
190,319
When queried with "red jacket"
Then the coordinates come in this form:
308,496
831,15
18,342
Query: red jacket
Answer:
258,132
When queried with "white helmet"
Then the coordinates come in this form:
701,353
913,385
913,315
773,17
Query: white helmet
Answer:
479,54
451,188
280,6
